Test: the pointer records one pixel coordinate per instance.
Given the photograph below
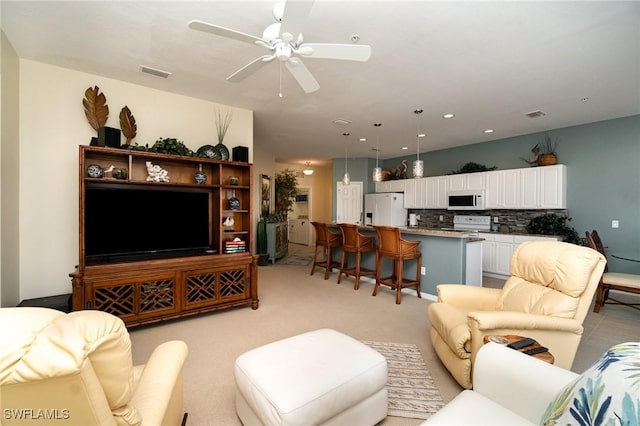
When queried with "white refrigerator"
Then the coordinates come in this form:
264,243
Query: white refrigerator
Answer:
385,209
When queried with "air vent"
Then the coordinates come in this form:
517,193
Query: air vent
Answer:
341,121
535,114
153,71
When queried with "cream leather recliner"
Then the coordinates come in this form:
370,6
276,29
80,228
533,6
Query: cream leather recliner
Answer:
76,369
546,298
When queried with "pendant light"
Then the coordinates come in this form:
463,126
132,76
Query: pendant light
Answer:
346,179
308,171
377,171
418,165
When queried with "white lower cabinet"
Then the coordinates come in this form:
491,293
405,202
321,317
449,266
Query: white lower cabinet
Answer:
299,231
497,250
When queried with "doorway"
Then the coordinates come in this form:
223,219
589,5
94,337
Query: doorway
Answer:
300,217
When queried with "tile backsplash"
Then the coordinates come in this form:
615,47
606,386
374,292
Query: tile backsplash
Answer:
514,221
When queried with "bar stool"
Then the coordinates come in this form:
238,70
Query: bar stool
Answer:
326,240
354,242
392,246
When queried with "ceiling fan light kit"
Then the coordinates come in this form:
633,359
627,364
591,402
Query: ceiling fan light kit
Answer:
285,41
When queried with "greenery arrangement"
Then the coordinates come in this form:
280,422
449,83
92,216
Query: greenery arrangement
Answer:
222,124
171,146
552,224
473,168
543,149
286,190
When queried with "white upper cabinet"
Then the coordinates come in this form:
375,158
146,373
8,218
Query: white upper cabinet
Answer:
437,190
553,188
464,181
391,185
415,193
527,188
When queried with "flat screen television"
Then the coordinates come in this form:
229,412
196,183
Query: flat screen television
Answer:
123,224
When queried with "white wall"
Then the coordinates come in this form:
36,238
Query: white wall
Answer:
53,125
9,176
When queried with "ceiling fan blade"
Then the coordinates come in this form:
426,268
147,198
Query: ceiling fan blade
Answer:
249,69
223,32
294,16
348,52
303,76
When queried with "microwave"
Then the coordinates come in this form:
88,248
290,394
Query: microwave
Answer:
466,200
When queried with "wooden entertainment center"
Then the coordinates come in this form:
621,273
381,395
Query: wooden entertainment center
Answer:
149,290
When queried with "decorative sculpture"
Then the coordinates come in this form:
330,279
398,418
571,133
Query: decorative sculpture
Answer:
156,173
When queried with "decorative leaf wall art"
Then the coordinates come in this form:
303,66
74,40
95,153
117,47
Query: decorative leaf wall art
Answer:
128,124
95,107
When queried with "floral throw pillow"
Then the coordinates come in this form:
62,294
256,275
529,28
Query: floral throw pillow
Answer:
607,394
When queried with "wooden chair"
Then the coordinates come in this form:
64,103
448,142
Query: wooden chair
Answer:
392,246
354,242
628,283
326,240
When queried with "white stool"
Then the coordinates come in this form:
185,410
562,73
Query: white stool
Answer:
319,377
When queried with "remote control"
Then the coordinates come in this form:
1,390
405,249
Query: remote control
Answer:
538,350
522,343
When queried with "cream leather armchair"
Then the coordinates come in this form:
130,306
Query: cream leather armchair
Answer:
546,298
76,369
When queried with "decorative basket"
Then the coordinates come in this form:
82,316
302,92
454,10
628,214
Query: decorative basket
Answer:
547,159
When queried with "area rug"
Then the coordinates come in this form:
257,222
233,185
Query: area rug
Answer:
295,259
411,390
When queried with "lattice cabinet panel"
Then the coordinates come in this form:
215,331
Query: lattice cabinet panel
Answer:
201,288
117,300
233,283
157,295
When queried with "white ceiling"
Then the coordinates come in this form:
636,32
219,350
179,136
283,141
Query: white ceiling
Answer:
487,62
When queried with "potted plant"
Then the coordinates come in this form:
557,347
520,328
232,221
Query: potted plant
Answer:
286,190
544,153
552,224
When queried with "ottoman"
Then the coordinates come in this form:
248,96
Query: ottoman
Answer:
319,377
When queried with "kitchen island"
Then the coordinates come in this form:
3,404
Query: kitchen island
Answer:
449,257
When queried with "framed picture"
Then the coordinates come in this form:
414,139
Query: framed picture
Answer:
266,207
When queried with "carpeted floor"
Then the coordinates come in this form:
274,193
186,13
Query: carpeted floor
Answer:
411,390
296,259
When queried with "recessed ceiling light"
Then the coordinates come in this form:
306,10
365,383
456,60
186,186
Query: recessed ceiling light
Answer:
422,135
489,131
341,121
448,115
363,139
405,147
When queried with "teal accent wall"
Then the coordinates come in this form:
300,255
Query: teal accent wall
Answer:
603,176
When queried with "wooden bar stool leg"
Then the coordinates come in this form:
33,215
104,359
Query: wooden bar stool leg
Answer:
343,260
327,270
398,281
419,277
356,285
378,269
315,260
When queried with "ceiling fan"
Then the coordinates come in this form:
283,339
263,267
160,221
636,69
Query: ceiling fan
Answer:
285,41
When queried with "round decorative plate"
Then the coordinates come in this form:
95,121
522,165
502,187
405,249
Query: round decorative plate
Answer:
208,151
95,171
222,151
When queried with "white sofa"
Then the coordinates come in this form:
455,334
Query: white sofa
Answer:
510,388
